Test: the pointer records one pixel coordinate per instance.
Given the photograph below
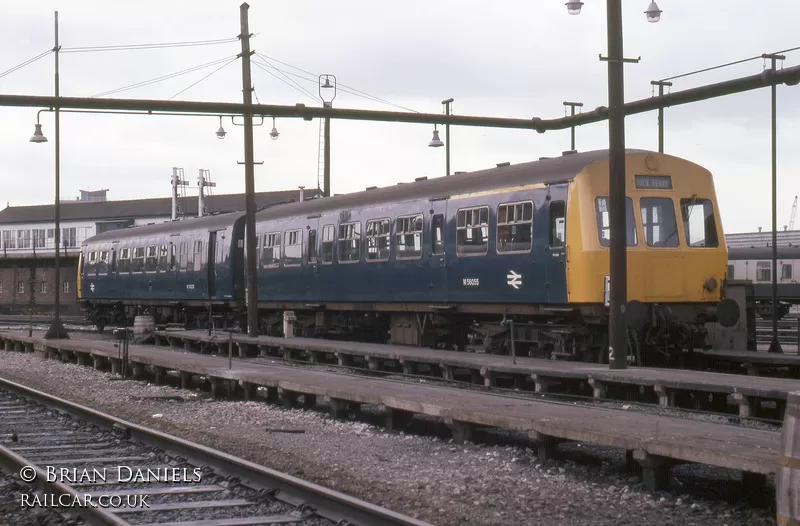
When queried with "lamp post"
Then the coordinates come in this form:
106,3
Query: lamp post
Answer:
56,330
447,104
775,344
660,84
617,330
326,89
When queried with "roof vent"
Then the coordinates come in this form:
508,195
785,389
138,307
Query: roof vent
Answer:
398,184
371,187
336,195
459,173
500,165
544,158
569,152
423,178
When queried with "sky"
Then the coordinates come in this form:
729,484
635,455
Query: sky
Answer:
513,58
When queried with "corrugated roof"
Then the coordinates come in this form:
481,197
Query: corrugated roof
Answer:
142,208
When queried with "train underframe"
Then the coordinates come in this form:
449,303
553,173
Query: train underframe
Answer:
658,334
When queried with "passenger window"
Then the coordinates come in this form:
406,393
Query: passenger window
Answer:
603,228
699,223
124,263
312,246
658,222
137,264
378,240
515,227
349,242
293,249
408,236
327,245
437,234
151,259
197,255
102,263
271,249
558,222
472,231
163,254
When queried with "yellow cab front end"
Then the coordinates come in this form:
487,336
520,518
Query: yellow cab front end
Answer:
676,249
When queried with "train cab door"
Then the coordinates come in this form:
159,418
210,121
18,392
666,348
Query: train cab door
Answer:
311,260
437,250
212,266
556,250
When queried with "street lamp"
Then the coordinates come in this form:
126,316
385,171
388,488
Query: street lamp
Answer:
327,92
274,133
56,330
617,328
221,130
436,142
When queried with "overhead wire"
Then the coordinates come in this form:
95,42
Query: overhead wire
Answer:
288,82
343,87
164,77
126,47
23,64
204,78
735,62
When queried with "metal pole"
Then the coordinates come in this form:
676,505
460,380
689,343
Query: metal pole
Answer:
249,178
660,84
572,105
618,348
775,345
326,180
56,330
447,104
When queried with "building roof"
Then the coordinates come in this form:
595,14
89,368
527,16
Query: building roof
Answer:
763,239
143,208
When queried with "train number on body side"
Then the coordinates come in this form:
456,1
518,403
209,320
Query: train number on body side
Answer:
471,282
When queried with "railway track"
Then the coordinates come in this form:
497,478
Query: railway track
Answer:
109,471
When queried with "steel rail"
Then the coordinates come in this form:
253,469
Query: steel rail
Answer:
789,76
326,502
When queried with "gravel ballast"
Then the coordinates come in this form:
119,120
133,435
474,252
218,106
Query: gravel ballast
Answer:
422,476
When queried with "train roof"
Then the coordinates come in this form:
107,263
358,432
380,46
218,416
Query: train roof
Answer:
763,253
546,170
169,227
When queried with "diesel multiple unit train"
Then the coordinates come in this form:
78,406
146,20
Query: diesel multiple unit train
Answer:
467,262
755,264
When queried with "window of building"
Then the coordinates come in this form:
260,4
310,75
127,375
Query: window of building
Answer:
197,255
137,262
69,237
349,242
23,239
21,287
408,236
658,222
65,287
699,222
472,231
730,272
293,249
312,245
51,233
271,249
327,245
124,262
515,227
9,239
763,271
39,240
151,259
378,232
437,234
43,287
786,271
603,224
1,287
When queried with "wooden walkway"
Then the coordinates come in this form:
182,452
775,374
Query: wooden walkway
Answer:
655,442
668,387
